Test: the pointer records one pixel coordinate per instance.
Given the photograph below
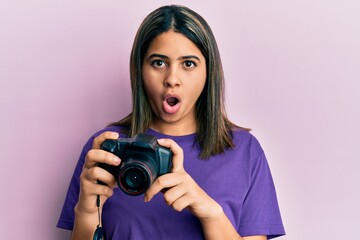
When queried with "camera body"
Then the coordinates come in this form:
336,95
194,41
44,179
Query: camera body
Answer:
142,161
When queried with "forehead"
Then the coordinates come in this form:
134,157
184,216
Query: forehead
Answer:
173,44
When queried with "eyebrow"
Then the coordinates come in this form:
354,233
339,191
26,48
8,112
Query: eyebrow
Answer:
156,55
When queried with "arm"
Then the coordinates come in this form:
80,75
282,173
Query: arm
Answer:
181,191
86,211
220,227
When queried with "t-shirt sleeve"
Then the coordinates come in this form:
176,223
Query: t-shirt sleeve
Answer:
66,220
260,213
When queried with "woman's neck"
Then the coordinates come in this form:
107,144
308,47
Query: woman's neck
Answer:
174,129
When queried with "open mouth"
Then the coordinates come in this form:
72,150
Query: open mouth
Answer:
172,101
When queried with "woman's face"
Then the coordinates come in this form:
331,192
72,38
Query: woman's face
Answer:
174,75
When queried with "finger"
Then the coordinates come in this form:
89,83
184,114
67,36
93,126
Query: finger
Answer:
91,188
182,203
172,194
88,195
178,154
95,156
104,136
162,182
96,174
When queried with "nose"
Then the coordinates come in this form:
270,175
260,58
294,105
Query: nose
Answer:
172,79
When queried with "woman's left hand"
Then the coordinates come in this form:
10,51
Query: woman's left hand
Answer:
180,190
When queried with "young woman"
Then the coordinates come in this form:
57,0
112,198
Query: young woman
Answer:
220,185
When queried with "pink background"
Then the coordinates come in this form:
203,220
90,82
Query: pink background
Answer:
292,70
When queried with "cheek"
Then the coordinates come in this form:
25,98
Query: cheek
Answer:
150,78
200,89
150,89
201,77
200,83
147,81
196,90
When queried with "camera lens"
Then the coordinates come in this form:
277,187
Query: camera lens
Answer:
134,179
136,174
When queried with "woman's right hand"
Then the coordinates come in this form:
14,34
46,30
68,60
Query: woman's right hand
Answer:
91,173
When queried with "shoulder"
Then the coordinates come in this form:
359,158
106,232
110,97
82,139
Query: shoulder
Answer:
246,141
118,129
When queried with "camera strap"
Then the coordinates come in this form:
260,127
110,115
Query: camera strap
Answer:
99,232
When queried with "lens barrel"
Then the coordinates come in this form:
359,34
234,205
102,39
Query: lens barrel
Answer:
135,177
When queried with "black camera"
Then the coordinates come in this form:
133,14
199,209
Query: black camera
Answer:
142,161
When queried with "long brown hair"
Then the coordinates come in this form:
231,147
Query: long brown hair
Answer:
214,133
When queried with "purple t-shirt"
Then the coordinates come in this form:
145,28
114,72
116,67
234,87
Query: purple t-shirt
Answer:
239,180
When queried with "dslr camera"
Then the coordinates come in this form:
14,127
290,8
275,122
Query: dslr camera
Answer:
142,161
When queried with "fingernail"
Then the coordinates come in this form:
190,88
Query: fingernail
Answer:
161,140
146,199
114,135
116,159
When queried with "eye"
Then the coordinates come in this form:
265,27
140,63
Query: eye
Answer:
189,64
157,63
